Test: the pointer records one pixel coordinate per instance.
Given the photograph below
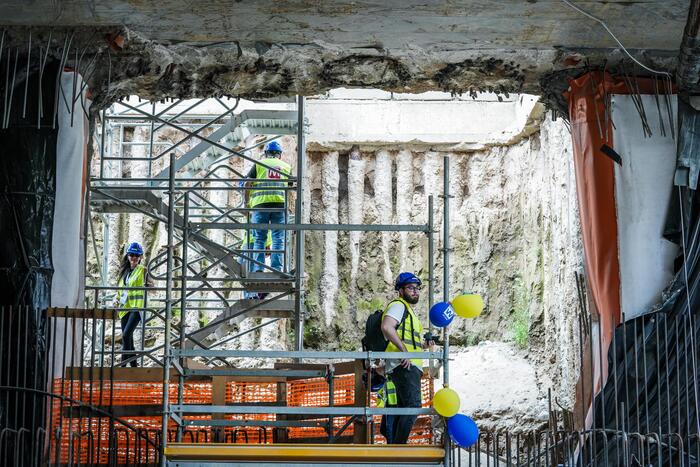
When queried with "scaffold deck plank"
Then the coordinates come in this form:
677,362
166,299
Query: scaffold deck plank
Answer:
395,454
85,313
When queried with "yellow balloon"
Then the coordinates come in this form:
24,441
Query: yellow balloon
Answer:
468,305
446,402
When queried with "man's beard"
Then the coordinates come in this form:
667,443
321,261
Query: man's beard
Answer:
411,299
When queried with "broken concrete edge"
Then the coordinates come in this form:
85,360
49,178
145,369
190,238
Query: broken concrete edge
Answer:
127,63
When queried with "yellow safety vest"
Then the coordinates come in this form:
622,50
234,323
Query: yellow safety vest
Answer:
269,196
407,333
386,396
134,298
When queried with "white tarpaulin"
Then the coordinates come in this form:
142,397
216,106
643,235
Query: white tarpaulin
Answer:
67,240
643,186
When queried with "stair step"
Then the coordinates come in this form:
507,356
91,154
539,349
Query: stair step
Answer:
267,282
275,305
239,311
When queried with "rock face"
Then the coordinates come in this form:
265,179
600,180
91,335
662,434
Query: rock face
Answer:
514,239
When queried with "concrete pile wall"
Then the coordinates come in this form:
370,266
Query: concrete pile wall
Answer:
515,240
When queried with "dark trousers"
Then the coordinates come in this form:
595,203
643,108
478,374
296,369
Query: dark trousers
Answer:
407,382
129,323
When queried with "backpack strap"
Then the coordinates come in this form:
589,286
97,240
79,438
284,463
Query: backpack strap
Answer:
403,318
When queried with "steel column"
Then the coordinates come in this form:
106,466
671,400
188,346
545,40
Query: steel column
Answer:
168,306
446,282
299,253
183,306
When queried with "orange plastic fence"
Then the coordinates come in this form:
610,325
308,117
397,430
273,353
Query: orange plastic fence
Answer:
77,434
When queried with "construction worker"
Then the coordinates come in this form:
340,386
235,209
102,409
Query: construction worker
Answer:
131,302
272,201
402,328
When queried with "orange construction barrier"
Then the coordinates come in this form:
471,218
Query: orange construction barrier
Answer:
81,434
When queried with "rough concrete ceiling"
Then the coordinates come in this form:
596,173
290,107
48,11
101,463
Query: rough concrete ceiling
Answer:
264,48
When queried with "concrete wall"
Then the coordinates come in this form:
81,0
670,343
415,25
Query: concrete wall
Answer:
434,120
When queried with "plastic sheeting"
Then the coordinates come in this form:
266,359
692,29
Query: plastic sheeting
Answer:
688,163
653,383
27,192
71,170
68,243
27,184
647,413
595,188
642,197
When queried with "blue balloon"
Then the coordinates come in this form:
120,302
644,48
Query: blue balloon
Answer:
441,314
462,430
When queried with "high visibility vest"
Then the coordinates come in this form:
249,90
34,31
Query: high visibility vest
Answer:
409,331
386,396
269,196
134,298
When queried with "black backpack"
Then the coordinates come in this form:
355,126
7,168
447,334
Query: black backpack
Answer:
374,337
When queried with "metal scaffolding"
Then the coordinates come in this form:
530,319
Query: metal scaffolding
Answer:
175,194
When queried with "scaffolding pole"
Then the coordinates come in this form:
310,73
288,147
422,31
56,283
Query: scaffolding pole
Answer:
446,283
299,253
168,307
183,307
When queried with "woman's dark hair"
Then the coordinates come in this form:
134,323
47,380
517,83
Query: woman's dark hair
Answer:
124,267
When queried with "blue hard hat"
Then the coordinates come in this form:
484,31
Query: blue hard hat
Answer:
273,146
135,249
406,278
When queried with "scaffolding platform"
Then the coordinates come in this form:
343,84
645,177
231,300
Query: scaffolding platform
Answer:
328,454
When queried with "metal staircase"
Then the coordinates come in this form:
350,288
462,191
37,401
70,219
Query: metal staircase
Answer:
147,202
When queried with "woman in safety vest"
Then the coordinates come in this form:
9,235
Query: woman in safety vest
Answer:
131,302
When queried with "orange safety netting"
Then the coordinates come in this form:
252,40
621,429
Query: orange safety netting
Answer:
80,434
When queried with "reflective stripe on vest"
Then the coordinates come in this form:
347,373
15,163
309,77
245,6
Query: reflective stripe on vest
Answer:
134,298
386,396
404,332
269,196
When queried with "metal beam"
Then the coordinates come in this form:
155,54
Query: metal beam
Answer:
324,227
253,372
299,244
320,411
304,354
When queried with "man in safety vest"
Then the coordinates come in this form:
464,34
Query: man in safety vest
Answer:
270,201
402,328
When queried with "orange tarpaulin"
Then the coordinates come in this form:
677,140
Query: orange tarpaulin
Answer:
591,130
